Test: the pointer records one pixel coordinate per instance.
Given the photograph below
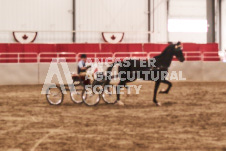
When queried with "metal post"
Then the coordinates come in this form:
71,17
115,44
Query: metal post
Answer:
153,16
73,21
210,7
18,58
220,25
168,7
149,20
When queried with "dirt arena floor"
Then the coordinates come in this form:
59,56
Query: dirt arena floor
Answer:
192,117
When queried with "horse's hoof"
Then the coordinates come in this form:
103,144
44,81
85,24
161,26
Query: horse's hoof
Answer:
120,103
164,92
158,104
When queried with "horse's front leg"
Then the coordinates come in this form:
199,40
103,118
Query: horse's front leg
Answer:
128,90
157,83
169,87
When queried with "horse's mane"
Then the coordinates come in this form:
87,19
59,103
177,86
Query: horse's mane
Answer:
165,51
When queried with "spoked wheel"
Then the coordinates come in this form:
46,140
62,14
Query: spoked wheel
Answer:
54,95
92,96
109,95
77,94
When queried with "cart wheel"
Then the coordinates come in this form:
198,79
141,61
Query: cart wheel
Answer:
92,97
54,95
77,94
109,95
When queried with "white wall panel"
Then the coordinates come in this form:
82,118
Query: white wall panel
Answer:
159,21
96,16
195,9
36,15
188,37
188,9
111,15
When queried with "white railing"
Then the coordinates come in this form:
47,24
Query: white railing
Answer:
152,54
196,55
215,55
48,56
18,57
75,57
93,56
187,55
133,55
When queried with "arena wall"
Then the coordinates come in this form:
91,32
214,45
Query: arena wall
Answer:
19,74
33,73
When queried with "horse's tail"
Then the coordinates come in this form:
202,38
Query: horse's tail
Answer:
109,69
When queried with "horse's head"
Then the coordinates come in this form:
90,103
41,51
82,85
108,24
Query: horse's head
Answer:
178,52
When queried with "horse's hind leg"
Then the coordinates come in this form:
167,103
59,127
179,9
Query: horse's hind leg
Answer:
169,86
118,87
157,83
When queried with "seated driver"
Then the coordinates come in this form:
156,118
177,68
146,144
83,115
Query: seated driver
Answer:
82,68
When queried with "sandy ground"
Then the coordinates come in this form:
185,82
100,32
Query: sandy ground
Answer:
192,117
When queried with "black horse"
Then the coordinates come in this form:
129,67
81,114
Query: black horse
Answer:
154,69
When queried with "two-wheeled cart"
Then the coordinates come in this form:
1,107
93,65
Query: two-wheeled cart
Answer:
81,91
